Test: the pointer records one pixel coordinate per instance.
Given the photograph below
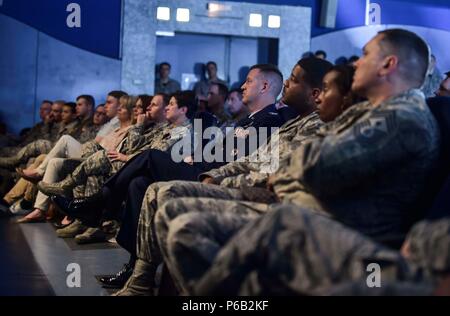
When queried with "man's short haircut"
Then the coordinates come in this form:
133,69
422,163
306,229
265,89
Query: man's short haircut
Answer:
321,52
89,99
314,69
223,89
353,58
238,91
117,94
47,101
412,53
99,105
341,61
72,106
447,73
186,99
146,100
165,63
59,102
211,63
308,54
165,98
273,74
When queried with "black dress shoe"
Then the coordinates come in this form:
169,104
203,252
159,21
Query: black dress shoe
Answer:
88,210
60,225
118,280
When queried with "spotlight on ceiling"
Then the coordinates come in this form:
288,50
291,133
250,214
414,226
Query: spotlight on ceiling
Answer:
182,15
274,21
163,13
255,20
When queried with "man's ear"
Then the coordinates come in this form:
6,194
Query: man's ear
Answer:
315,92
390,63
266,86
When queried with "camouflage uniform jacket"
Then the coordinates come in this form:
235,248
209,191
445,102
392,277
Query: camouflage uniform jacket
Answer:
162,137
253,170
61,129
39,131
87,130
368,167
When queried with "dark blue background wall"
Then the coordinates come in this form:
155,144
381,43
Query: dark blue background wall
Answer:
351,13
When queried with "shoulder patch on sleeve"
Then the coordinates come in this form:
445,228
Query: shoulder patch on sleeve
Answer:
377,126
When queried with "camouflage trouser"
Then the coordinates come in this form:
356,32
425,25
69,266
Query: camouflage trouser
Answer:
93,172
9,151
33,149
294,251
89,148
191,231
56,170
97,164
157,194
92,187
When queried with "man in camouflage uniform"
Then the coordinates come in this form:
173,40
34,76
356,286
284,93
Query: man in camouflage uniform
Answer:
300,92
43,127
238,110
69,125
217,96
294,251
15,155
89,126
46,129
367,169
35,133
69,144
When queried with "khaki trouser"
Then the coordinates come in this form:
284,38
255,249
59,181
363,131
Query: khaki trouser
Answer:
23,188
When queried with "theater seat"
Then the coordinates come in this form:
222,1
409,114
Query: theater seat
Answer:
441,204
435,202
440,186
440,107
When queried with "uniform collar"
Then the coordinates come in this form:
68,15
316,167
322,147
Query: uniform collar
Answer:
263,111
